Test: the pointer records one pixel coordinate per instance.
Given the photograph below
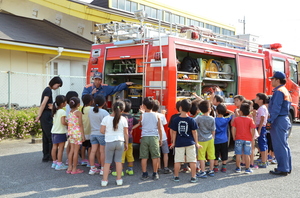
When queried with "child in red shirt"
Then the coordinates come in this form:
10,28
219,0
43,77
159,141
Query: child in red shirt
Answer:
242,132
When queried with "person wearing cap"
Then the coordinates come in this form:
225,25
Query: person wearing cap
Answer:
279,124
97,87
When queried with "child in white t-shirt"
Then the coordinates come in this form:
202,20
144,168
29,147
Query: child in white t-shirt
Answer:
115,128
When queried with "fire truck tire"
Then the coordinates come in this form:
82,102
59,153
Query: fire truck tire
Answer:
291,120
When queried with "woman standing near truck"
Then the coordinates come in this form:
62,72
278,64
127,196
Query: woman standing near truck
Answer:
45,116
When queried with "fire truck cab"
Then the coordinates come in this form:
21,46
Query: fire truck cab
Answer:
150,57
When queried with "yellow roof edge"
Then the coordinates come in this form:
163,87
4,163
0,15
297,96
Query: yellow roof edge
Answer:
45,50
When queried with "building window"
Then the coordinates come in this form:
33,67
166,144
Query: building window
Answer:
188,21
134,7
181,20
153,13
55,68
121,4
201,24
176,19
193,22
127,5
148,10
160,14
115,3
208,26
167,17
142,7
227,32
215,29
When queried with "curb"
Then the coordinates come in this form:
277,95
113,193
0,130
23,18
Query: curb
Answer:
36,140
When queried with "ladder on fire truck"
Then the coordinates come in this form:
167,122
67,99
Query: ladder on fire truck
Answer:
128,33
124,34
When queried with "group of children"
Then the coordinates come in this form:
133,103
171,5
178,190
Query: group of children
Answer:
199,133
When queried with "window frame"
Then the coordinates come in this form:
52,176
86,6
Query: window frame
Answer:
278,64
293,70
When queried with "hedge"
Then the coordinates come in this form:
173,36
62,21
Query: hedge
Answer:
18,123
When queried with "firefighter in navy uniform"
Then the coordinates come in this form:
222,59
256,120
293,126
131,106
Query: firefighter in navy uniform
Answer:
98,88
279,124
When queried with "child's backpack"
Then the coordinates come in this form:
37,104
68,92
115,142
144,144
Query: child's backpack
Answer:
189,64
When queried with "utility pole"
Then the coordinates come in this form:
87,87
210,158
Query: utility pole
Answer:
244,24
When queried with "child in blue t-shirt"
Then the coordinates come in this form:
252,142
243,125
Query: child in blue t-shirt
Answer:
221,137
184,140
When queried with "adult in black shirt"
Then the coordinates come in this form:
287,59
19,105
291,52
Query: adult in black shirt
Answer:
45,116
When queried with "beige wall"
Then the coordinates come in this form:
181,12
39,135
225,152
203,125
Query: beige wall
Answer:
26,8
36,63
19,61
27,86
5,57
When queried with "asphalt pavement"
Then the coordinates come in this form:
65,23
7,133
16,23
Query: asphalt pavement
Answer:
23,174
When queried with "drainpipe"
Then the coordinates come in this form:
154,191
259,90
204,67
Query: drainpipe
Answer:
48,64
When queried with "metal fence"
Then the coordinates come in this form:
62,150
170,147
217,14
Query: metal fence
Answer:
18,89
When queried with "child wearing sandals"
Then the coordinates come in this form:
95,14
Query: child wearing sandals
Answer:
96,115
115,128
69,95
59,132
76,135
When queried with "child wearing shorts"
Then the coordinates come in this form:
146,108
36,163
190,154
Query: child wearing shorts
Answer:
243,132
261,121
96,115
59,132
184,140
206,134
115,129
151,138
128,154
164,147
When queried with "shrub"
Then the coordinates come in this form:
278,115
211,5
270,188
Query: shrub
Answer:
18,123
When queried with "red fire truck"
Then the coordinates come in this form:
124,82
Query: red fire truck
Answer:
149,56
